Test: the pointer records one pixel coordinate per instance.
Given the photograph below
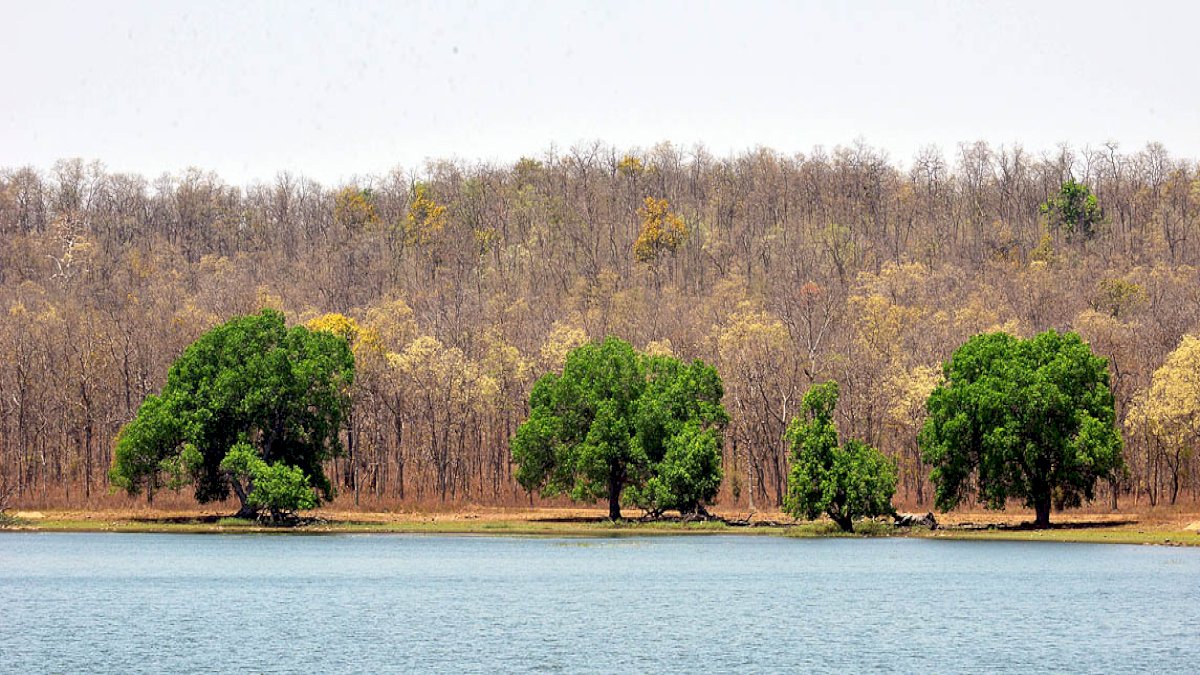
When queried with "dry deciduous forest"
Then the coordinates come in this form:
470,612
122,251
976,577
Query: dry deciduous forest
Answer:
460,283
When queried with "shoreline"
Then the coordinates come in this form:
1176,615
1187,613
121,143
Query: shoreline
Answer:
573,523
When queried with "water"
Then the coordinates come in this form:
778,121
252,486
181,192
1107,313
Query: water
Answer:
206,603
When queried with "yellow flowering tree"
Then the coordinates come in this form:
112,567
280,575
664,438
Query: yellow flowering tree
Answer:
368,352
760,389
662,231
563,338
426,217
354,208
446,393
907,391
1169,410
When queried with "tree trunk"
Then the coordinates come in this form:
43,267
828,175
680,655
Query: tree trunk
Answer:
614,497
843,522
1041,508
245,510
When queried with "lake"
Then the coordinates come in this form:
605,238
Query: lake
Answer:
264,603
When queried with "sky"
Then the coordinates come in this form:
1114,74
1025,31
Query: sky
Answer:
339,90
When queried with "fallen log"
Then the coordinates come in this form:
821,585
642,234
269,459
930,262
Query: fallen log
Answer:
916,520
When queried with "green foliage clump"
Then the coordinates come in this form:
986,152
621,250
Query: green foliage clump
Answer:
617,424
250,384
845,481
1022,419
688,475
276,487
1117,296
1074,209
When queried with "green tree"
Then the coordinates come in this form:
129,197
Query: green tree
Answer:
250,384
846,480
277,487
679,424
1021,419
1074,209
616,419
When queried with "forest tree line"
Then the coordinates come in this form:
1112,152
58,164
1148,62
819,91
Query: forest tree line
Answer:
459,284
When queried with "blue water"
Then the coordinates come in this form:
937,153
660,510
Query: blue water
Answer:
208,603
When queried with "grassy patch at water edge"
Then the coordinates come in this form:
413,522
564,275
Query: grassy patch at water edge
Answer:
824,528
1091,535
236,522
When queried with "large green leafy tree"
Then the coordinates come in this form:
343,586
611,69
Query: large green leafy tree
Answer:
845,481
247,406
616,424
1022,419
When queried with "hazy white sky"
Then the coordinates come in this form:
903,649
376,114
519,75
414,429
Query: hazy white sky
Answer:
331,89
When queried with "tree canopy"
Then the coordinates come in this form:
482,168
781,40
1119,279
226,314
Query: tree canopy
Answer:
1021,419
616,423
845,480
1169,409
251,406
1074,209
661,232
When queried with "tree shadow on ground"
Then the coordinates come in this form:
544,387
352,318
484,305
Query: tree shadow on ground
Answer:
1029,525
571,519
176,520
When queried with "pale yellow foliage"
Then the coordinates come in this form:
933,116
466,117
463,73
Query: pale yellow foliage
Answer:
1170,408
1044,253
191,318
393,323
659,348
755,355
908,390
750,332
880,324
503,361
902,282
72,249
602,307
416,355
728,291
443,372
975,316
562,339
142,266
1013,327
979,315
216,266
887,305
1105,332
49,314
265,298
